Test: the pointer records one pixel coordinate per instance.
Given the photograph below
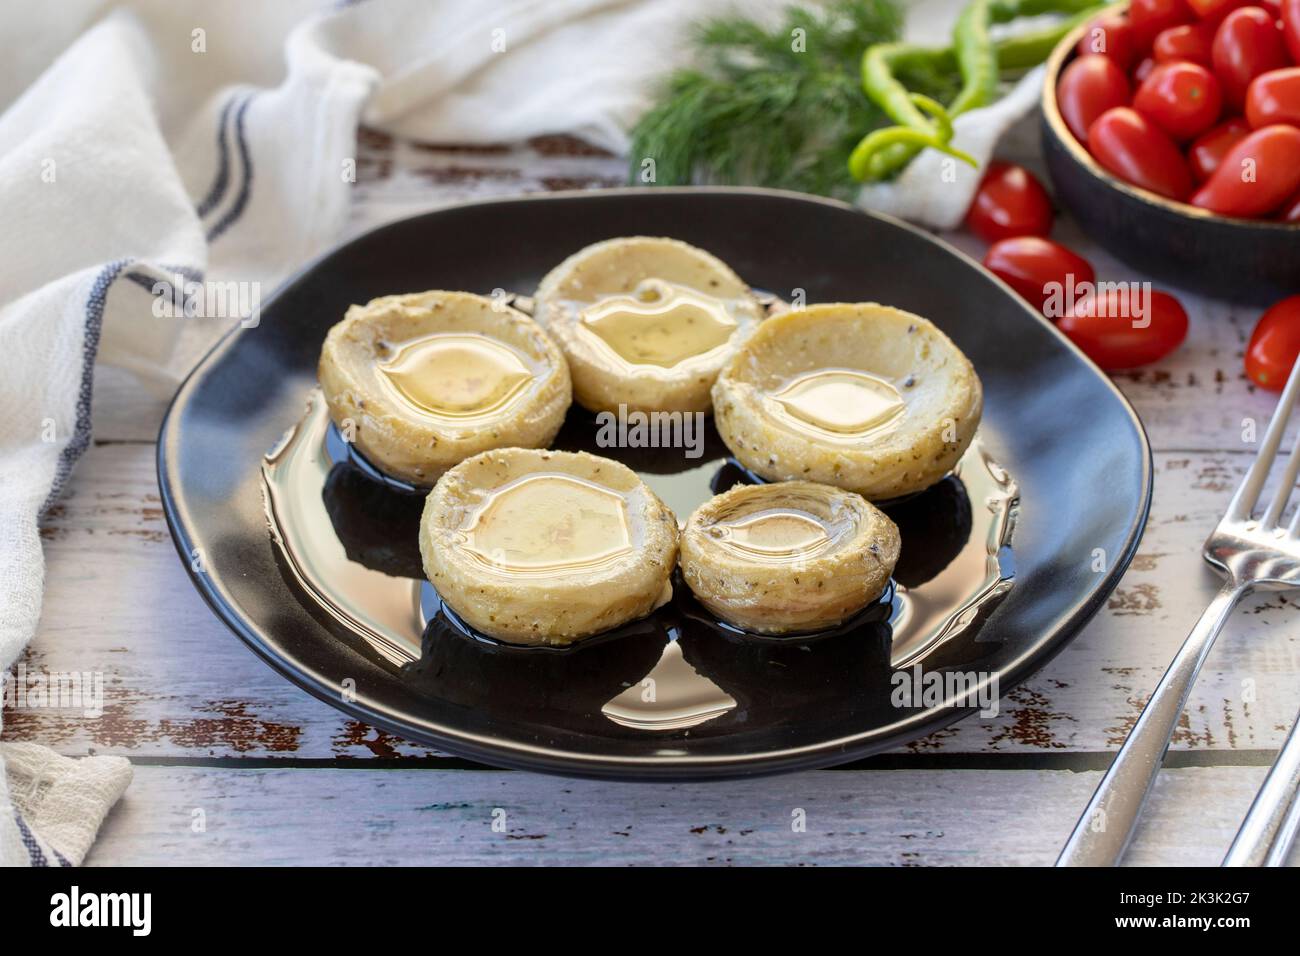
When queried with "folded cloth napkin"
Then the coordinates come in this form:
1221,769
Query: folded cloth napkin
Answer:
162,138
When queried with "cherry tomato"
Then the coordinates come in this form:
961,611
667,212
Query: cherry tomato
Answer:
1181,98
1274,97
1111,35
1193,42
1274,345
1207,151
1150,17
1031,265
1121,328
1088,87
1247,43
1256,176
1290,209
1143,69
1009,202
1139,152
1213,11
1291,27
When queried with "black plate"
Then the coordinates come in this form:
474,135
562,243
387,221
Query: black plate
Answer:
1051,418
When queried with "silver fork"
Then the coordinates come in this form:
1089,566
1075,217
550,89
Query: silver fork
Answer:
1251,554
1271,825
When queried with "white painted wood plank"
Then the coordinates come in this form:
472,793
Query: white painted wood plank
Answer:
178,684
401,179
890,818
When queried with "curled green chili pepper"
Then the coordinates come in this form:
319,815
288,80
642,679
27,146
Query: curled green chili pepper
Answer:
879,64
977,58
881,140
979,61
878,155
942,118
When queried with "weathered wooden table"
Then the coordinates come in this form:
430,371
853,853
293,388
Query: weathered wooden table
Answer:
283,778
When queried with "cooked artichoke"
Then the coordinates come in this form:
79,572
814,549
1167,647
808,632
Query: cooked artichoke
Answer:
423,381
864,397
645,322
793,556
547,547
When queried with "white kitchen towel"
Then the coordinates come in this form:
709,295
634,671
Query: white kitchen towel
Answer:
136,143
155,139
57,803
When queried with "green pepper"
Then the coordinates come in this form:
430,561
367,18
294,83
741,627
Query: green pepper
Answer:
882,140
1025,50
977,58
974,55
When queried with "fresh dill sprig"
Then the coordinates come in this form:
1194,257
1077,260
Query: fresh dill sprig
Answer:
780,106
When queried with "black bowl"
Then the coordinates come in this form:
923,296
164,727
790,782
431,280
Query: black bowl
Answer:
1241,260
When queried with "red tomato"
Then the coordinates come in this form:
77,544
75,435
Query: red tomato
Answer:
1088,87
1291,27
1207,151
1291,209
1274,97
1213,11
1120,327
1256,176
1139,152
1181,98
1274,345
1111,35
1009,202
1031,264
1150,17
1246,44
1193,42
1143,70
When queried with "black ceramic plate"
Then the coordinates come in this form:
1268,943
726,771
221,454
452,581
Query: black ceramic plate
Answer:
1051,419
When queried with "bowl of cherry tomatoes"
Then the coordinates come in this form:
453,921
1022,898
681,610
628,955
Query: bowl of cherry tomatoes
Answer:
1171,130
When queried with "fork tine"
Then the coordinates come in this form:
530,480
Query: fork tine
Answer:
1273,516
1243,502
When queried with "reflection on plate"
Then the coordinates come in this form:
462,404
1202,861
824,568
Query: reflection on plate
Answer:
346,539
